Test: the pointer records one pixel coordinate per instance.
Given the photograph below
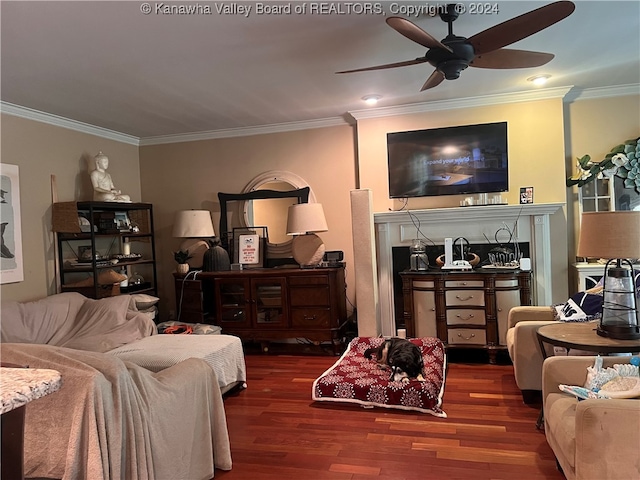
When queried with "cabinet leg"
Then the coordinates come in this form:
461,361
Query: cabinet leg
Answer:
492,356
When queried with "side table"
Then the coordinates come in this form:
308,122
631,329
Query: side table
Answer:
19,386
581,336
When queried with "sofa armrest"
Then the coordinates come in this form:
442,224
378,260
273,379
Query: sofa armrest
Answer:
571,370
526,355
519,314
607,438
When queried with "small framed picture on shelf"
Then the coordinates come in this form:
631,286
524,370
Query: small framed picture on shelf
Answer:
249,245
122,222
526,195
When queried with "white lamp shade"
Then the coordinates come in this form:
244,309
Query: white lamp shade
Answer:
193,224
306,217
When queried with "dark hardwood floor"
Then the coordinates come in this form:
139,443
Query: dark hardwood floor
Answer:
277,432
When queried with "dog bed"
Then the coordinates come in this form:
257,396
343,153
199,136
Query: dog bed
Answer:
354,379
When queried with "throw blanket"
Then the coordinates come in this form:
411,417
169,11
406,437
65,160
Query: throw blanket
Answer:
74,321
115,420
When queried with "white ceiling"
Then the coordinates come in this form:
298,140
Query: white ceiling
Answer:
106,64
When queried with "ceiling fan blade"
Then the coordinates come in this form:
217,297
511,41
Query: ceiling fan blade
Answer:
510,58
388,65
520,27
415,33
434,80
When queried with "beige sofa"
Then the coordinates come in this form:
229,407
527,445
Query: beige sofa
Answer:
176,424
524,348
595,439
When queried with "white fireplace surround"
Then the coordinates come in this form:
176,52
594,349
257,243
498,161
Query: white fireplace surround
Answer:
399,228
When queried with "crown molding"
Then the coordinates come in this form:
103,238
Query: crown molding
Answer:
38,116
244,131
481,101
605,92
568,93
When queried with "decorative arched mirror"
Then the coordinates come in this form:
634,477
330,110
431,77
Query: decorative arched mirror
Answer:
265,202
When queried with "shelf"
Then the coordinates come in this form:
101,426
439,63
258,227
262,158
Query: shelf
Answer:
109,242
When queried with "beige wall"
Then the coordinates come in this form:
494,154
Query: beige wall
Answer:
189,175
40,151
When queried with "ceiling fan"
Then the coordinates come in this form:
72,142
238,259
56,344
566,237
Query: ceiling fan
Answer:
483,50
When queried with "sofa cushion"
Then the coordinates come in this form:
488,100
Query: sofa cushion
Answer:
560,424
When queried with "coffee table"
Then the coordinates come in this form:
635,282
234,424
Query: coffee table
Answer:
581,336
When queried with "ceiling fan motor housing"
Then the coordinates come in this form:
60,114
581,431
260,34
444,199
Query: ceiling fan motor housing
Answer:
451,63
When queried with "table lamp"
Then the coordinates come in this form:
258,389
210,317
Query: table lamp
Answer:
194,225
304,219
614,236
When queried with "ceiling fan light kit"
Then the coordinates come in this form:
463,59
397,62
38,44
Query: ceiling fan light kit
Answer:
454,54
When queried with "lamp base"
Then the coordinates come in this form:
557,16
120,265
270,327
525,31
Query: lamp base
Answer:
627,332
307,250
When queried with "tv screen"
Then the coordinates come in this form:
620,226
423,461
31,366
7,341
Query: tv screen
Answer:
448,161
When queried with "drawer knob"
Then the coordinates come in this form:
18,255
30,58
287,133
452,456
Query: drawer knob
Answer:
466,338
465,298
465,318
309,317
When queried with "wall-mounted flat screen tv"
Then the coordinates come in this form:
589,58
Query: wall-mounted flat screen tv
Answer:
466,159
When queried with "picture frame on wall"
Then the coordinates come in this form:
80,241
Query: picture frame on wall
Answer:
11,261
526,195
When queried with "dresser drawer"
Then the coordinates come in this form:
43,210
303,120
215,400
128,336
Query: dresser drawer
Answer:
311,280
423,284
464,283
464,297
309,296
311,317
507,283
466,336
465,316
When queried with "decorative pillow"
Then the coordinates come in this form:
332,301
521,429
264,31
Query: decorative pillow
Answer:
581,307
144,301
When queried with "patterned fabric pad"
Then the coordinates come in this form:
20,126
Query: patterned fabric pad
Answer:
355,379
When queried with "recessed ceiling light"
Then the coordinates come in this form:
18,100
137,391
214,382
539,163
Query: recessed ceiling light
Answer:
371,99
539,80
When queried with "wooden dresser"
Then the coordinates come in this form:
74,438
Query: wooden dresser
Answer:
464,309
268,303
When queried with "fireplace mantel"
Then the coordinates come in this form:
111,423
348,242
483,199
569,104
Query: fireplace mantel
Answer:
476,224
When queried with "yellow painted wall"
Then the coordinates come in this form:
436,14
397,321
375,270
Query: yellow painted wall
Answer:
594,127
536,158
535,141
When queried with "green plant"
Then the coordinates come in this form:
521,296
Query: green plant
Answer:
622,161
181,256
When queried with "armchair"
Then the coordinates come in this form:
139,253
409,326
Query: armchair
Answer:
592,439
524,348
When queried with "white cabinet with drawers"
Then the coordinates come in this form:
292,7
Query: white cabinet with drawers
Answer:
464,309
